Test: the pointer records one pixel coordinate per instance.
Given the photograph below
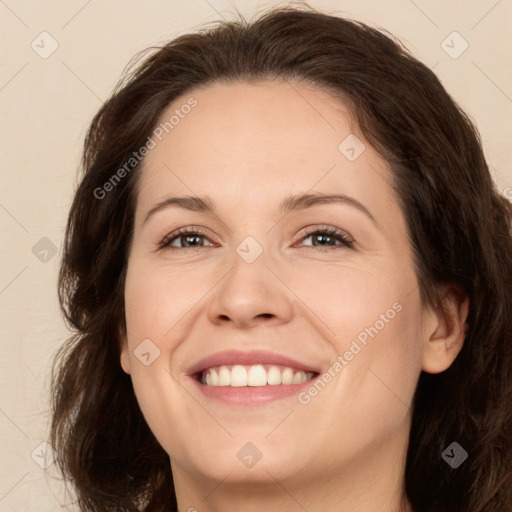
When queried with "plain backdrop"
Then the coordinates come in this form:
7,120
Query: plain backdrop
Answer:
60,61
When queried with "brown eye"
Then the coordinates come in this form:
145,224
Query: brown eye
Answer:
188,236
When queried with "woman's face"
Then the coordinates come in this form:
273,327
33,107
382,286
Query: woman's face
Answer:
256,287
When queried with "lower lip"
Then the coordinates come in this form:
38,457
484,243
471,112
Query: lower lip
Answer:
252,395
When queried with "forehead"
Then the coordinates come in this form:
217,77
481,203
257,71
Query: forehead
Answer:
260,142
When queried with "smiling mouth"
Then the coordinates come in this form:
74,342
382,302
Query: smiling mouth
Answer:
257,375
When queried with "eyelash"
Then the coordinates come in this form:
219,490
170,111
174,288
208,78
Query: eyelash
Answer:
346,241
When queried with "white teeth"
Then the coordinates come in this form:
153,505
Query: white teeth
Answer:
274,376
287,376
297,378
255,375
224,377
238,376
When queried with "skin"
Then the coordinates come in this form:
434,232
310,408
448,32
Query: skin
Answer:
248,146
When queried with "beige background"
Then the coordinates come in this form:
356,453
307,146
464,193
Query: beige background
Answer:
46,105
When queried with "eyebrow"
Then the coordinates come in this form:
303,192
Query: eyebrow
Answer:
289,204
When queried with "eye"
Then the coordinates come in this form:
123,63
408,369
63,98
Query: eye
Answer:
333,235
190,235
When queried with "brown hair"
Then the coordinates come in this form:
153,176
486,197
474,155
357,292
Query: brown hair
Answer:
459,226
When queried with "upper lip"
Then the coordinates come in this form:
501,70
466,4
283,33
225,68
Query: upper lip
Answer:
231,357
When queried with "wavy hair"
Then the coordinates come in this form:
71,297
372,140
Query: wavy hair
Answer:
459,226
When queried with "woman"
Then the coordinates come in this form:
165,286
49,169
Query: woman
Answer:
290,275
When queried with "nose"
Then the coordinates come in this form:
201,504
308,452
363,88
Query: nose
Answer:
250,294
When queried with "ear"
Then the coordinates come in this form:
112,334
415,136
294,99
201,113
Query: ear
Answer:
446,330
123,349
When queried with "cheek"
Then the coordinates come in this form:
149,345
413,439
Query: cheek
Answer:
159,304
158,298
381,366
350,302
373,324
382,363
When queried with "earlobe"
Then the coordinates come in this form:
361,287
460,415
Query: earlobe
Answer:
125,360
125,365
448,331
